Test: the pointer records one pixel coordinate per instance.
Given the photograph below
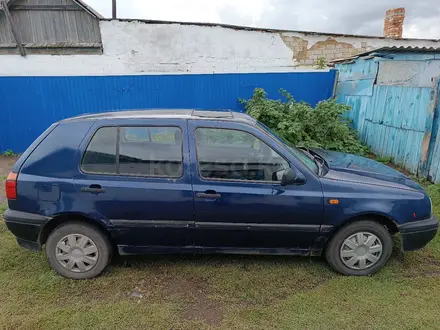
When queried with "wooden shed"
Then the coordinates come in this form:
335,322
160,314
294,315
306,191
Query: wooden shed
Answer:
57,27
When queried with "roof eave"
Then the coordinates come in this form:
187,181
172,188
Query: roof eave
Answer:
252,28
386,52
80,3
88,9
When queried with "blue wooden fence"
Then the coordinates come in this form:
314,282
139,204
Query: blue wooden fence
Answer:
395,109
30,104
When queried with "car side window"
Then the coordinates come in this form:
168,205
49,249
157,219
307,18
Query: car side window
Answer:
164,135
151,151
100,156
139,151
237,155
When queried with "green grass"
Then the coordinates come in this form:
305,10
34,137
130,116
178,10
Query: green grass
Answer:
226,292
385,160
8,153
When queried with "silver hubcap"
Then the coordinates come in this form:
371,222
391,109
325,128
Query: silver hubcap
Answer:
77,253
361,250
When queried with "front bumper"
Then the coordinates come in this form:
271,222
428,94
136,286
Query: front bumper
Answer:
26,227
415,235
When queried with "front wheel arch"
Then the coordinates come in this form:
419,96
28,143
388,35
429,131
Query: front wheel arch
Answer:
386,221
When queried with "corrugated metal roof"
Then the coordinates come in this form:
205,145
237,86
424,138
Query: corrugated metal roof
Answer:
402,49
385,51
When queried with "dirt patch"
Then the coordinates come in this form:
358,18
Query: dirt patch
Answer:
421,264
6,164
166,279
200,307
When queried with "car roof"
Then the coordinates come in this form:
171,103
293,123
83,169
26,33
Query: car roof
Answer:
223,115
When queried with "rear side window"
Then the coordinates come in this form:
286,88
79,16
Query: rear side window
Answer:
137,151
151,151
166,135
100,156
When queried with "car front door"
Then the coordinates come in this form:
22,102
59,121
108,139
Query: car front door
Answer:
133,176
239,201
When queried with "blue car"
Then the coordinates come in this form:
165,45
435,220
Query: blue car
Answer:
183,181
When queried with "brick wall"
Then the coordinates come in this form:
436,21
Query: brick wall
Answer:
393,25
307,52
308,47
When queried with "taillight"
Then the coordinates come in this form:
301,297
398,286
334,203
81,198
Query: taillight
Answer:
11,186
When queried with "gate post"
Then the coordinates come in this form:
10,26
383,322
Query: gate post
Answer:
431,128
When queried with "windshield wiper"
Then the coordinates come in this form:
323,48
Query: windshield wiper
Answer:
319,161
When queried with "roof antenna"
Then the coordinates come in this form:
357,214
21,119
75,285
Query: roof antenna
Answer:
114,9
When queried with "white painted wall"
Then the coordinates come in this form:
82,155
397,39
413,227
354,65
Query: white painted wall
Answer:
136,48
140,48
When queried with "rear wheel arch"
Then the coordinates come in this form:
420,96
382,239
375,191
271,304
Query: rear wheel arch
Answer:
60,219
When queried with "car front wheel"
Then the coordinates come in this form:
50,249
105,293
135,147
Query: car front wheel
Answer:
360,248
78,251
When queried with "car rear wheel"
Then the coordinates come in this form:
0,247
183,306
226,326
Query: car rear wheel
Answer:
78,251
360,248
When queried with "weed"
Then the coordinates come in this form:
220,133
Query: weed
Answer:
8,153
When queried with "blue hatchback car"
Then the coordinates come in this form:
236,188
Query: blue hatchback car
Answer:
182,181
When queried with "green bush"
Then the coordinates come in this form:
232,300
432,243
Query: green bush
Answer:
322,127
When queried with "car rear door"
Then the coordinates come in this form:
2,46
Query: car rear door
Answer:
134,175
239,201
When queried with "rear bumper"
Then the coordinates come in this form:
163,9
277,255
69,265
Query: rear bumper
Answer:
26,227
415,235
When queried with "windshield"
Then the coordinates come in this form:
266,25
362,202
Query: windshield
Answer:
303,158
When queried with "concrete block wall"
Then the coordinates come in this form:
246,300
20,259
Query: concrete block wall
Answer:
308,47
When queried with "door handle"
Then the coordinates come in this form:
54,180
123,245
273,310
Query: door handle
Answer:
209,194
93,189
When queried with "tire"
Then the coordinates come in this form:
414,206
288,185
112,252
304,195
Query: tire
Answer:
347,257
78,251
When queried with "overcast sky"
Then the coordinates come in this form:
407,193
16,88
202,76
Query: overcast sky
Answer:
339,16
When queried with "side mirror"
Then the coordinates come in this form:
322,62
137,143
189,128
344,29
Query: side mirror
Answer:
290,176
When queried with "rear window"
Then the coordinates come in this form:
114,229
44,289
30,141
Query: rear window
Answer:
137,151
